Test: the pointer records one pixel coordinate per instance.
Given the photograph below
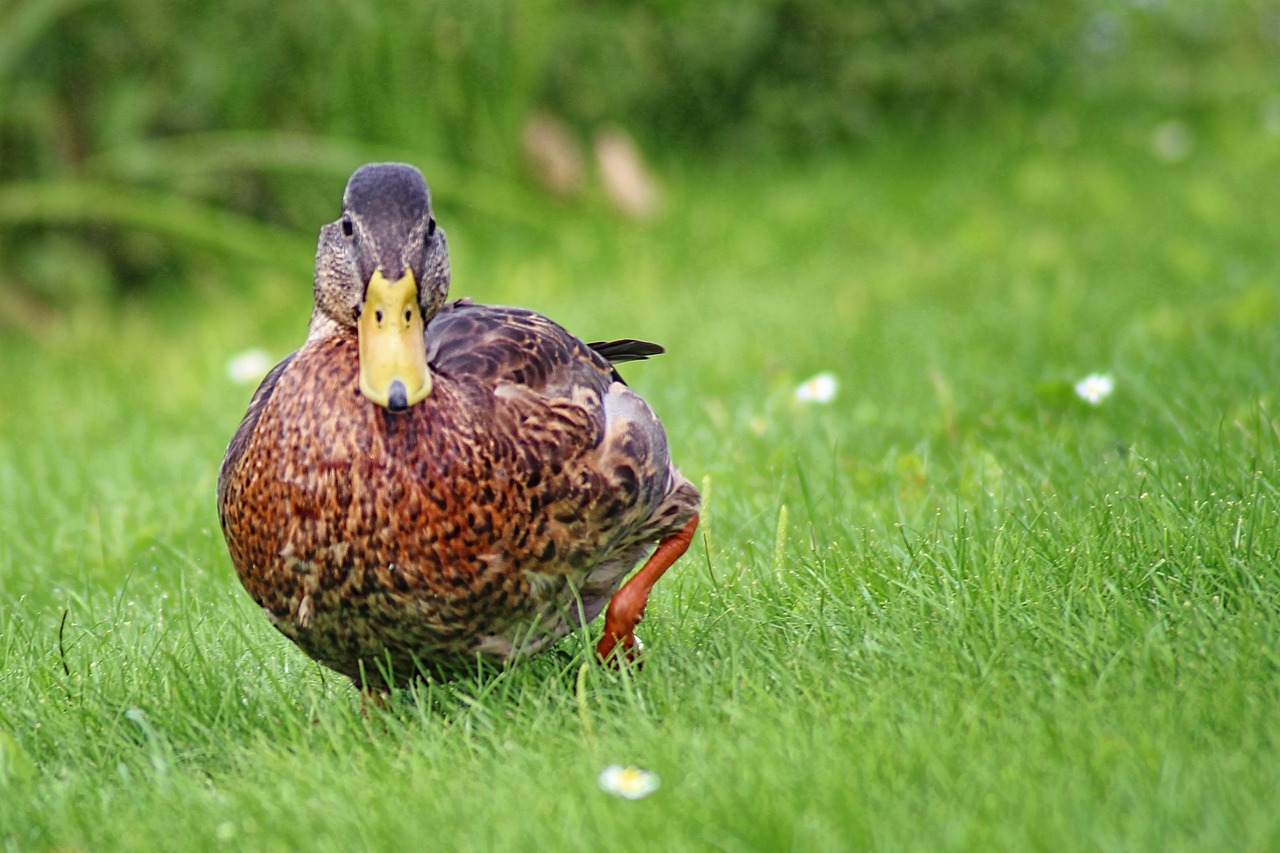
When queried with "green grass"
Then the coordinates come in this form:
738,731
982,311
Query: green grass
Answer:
956,609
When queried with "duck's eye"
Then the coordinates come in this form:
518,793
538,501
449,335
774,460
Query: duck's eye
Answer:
348,227
431,227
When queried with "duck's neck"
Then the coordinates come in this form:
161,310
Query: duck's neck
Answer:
322,326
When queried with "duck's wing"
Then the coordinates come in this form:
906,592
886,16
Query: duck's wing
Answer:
240,441
525,356
626,493
496,344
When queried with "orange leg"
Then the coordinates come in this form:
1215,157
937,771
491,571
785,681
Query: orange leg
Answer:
626,608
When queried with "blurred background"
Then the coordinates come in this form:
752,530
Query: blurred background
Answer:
147,146
970,309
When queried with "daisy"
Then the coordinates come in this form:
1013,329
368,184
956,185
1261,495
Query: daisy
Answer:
1095,388
818,389
629,782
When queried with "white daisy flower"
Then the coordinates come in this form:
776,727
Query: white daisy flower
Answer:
1095,388
629,782
818,389
248,367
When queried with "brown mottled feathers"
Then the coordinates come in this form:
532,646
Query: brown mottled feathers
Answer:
240,440
488,343
615,352
490,519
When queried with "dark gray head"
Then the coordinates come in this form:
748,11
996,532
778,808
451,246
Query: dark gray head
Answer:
382,255
386,225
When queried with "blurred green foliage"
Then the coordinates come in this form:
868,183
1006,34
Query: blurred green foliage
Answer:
141,140
802,73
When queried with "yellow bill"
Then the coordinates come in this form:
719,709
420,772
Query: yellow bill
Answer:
393,351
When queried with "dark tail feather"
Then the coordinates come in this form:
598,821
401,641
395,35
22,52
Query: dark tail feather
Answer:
626,350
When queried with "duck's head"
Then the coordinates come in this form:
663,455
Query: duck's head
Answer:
383,269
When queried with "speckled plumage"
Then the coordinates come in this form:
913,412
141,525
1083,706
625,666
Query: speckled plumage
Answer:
492,518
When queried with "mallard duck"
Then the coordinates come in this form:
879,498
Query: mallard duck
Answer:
427,482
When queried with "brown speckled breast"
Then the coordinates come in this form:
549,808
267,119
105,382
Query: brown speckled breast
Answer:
469,524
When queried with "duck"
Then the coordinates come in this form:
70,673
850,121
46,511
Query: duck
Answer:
427,485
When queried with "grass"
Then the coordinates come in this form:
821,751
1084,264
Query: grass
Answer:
957,608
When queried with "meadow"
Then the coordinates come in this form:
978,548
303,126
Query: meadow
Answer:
956,607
